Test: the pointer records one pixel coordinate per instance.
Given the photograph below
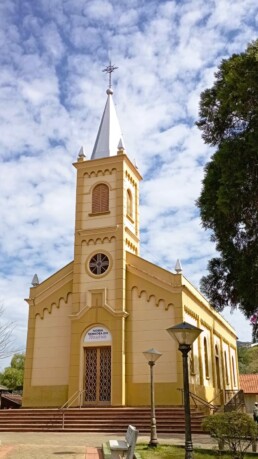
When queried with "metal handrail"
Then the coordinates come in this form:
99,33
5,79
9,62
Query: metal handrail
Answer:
236,402
221,392
69,402
196,398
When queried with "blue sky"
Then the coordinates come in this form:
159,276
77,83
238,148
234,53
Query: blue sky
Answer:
52,95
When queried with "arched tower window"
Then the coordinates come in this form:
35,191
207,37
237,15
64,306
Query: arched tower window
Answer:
206,360
100,198
129,204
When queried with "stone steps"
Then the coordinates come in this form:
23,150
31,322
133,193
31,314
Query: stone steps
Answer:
106,420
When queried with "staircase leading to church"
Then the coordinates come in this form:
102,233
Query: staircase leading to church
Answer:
99,420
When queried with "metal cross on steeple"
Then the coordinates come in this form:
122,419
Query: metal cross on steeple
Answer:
110,69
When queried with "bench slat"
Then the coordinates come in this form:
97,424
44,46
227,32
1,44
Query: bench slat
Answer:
118,444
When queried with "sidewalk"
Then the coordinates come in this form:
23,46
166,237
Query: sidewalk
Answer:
49,445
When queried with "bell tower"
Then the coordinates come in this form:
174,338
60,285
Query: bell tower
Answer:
106,227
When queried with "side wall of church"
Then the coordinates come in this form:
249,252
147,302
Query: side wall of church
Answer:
214,369
52,349
48,342
152,309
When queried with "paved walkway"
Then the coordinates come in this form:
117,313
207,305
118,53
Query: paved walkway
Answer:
49,445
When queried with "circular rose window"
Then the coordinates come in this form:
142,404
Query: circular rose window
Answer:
99,264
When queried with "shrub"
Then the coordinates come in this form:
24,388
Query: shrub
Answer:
236,430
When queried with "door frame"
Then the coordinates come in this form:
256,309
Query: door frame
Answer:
107,342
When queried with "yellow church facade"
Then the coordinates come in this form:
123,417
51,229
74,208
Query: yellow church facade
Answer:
90,322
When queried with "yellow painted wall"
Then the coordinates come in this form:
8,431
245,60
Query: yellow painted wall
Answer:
51,296
157,300
52,346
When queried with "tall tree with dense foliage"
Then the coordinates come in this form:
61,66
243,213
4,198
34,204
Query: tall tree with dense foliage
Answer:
12,377
228,203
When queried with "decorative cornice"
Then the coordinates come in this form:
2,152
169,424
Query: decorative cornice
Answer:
131,246
51,305
94,231
157,301
206,325
130,178
157,280
100,172
98,240
191,313
132,235
105,306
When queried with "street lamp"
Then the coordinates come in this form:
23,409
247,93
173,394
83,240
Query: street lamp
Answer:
152,355
185,334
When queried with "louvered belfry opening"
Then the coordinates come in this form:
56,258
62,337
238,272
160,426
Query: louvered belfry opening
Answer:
100,198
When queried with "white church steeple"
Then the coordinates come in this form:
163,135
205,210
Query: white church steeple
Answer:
109,135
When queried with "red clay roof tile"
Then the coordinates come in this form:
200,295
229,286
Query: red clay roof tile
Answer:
249,383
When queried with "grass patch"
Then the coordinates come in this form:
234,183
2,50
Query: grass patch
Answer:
178,452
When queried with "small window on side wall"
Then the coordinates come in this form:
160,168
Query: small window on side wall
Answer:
191,362
226,368
100,199
206,359
129,204
233,371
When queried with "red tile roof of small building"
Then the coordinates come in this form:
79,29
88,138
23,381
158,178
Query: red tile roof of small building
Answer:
249,383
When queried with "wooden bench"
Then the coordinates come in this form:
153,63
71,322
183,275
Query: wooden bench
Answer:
120,447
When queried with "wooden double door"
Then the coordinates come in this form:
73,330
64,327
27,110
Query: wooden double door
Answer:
97,375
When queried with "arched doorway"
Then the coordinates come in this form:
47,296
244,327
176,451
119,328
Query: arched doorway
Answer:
97,366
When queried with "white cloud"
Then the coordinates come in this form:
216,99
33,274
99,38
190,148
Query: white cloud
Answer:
52,94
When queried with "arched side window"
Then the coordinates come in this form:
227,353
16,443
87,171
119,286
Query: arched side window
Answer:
216,351
129,204
217,366
100,198
191,362
233,371
226,368
206,359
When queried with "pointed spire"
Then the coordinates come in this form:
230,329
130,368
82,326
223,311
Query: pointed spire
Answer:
120,145
178,267
35,281
109,133
81,155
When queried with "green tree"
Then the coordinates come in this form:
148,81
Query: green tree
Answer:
248,359
228,203
18,361
12,377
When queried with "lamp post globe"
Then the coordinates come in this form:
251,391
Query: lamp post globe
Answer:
152,355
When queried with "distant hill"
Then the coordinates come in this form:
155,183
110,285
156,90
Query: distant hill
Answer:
248,358
243,343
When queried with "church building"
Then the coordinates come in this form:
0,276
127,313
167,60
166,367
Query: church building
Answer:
90,322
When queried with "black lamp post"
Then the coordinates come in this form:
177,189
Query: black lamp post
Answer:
185,334
152,355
